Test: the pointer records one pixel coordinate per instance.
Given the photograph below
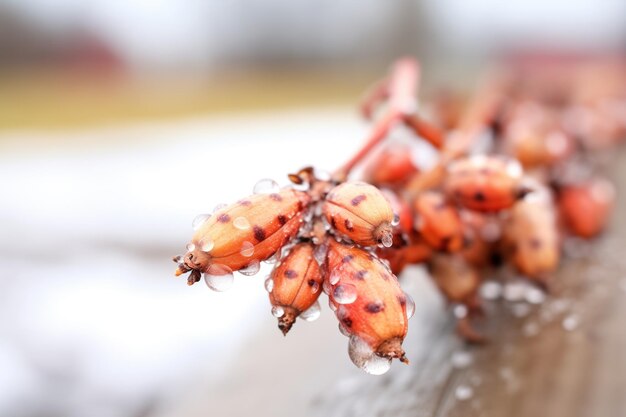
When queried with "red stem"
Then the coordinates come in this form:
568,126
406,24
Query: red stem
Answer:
402,90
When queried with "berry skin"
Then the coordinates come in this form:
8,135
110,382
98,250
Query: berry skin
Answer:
251,230
530,235
415,252
392,167
456,279
296,284
485,183
586,207
438,222
360,212
368,299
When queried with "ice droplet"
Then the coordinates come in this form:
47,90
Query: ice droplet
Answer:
269,284
364,357
333,279
461,359
326,287
190,247
387,240
266,186
312,313
199,220
514,291
219,278
320,253
274,258
410,306
491,290
219,207
247,250
460,311
463,392
278,311
344,294
570,323
535,296
252,268
206,245
241,223
343,330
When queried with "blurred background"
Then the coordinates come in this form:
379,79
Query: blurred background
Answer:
120,120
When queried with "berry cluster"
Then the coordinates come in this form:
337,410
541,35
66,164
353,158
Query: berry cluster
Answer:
512,176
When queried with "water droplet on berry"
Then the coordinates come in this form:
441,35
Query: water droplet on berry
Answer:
273,259
332,305
247,249
266,186
387,240
463,392
333,279
219,278
364,357
344,294
190,247
315,287
312,313
278,311
241,223
320,253
326,287
410,306
199,220
269,284
252,268
219,207
343,330
206,245
396,220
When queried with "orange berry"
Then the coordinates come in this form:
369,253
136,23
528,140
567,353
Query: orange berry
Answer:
295,285
360,212
438,222
367,300
456,279
245,233
485,183
530,235
392,167
586,207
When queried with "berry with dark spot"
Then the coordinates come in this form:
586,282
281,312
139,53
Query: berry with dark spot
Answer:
485,183
383,331
218,241
438,222
360,212
297,283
